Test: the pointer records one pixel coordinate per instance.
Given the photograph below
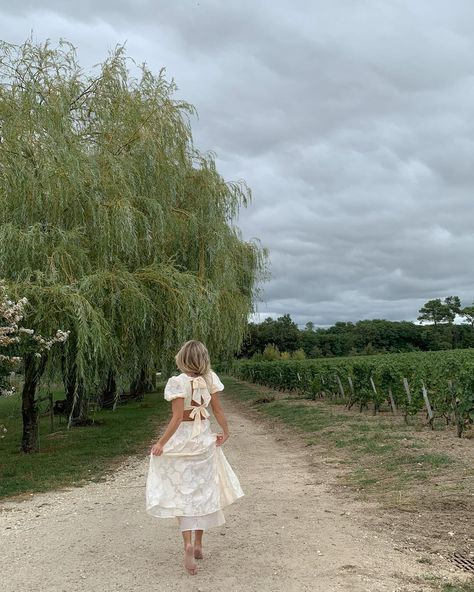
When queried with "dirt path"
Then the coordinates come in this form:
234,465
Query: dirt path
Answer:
288,532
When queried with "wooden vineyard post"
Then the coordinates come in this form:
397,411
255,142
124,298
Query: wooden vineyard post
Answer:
453,403
456,415
407,390
375,392
341,388
323,392
352,395
428,405
392,400
349,380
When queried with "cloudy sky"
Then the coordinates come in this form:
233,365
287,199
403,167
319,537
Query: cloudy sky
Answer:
351,120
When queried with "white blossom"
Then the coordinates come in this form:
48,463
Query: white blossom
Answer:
26,331
11,314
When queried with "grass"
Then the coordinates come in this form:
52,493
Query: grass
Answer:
383,456
464,587
439,586
77,455
402,468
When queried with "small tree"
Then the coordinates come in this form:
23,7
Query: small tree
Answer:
23,345
271,352
468,313
434,311
298,354
454,305
10,314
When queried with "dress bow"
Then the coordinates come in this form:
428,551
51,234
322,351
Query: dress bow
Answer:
201,393
201,396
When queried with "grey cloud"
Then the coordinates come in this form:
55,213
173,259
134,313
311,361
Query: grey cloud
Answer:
351,122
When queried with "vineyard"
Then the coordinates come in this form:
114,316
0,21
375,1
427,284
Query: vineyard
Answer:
438,384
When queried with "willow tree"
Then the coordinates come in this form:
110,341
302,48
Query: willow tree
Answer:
112,224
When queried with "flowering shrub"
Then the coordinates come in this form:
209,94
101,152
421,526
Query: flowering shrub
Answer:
15,339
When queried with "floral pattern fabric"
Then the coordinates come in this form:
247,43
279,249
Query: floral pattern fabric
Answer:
192,477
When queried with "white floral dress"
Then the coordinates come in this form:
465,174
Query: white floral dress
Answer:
192,480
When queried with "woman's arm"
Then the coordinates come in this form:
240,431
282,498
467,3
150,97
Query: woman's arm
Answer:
220,418
176,419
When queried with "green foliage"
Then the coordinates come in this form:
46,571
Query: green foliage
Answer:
364,337
462,396
282,333
435,311
271,352
468,313
112,224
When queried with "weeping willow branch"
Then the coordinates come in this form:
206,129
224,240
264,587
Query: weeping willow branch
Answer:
111,222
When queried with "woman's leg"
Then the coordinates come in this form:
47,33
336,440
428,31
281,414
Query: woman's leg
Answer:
189,562
198,543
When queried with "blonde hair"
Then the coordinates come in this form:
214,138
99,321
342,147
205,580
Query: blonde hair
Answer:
193,358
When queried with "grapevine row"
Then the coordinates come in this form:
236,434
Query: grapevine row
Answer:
441,383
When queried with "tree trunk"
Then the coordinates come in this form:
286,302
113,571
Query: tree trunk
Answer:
34,368
142,384
68,382
81,407
76,406
69,372
108,394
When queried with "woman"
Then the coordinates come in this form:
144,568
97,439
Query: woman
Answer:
189,476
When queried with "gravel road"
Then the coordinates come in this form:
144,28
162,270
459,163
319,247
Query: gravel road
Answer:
289,533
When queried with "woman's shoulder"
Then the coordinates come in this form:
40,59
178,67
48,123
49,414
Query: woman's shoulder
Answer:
175,387
216,384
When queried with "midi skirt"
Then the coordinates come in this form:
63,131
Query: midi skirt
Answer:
192,480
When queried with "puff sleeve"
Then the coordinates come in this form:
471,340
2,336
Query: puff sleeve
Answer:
216,384
174,389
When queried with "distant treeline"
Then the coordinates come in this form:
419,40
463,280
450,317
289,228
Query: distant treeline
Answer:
274,337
